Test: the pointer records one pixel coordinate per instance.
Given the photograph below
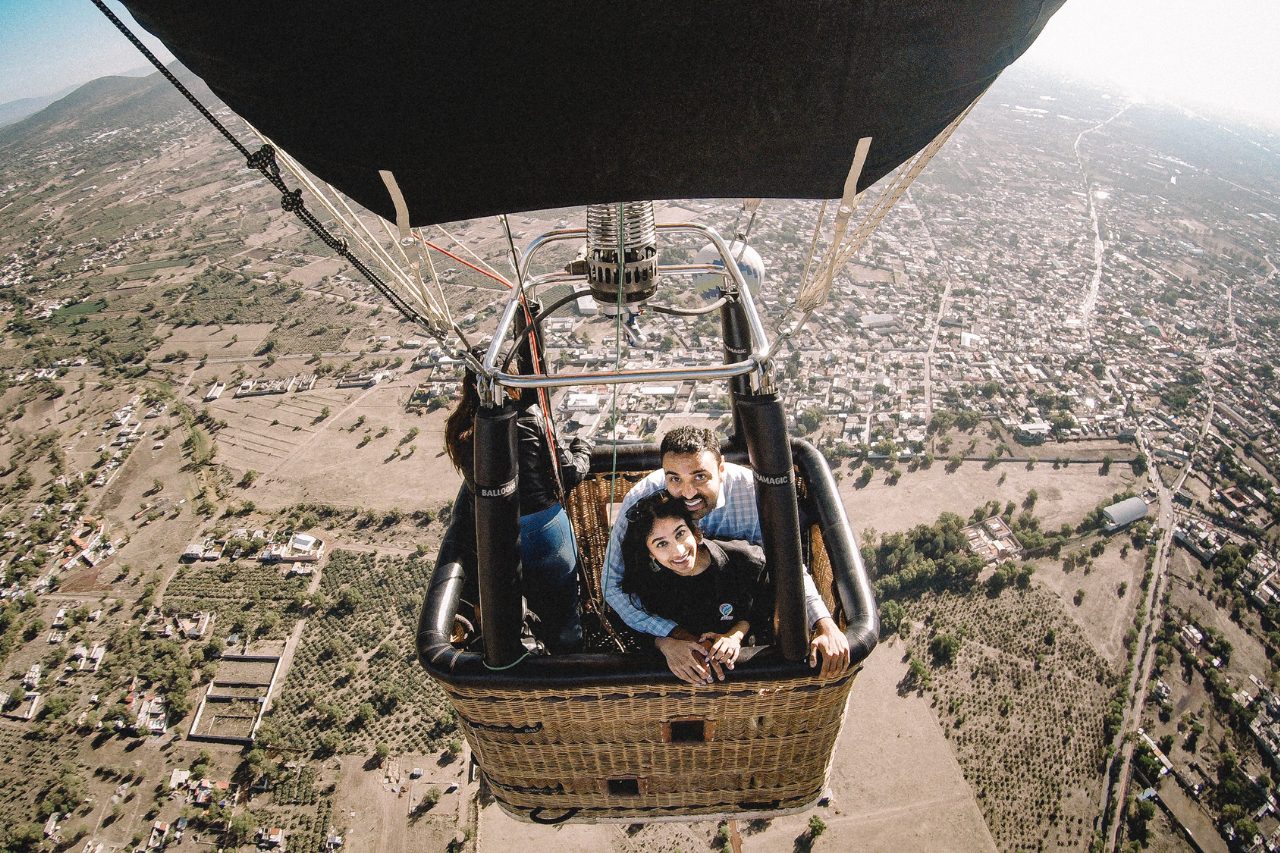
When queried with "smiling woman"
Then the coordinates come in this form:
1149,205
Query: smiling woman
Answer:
711,590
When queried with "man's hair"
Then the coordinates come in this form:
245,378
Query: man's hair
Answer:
691,439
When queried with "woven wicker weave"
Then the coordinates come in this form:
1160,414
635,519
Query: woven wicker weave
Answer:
765,747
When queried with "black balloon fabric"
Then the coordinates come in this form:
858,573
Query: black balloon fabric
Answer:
497,106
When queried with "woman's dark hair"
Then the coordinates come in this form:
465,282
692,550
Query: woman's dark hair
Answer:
460,425
638,576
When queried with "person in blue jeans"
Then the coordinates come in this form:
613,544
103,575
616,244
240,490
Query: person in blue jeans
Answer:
548,550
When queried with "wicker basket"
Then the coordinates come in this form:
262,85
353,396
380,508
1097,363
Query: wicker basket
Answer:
596,736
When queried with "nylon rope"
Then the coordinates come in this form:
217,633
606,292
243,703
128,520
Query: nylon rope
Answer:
617,366
816,288
357,229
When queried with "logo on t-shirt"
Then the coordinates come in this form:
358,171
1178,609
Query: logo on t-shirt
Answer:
726,611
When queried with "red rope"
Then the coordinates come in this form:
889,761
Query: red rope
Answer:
464,262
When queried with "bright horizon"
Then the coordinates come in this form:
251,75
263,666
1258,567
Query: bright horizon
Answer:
1217,58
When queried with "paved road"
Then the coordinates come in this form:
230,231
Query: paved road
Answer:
1144,654
942,307
1090,300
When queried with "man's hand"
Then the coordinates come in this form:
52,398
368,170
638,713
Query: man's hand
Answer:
687,660
834,646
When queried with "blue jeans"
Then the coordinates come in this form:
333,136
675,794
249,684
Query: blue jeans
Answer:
549,556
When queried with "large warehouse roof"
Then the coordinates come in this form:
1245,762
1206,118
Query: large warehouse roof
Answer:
1125,512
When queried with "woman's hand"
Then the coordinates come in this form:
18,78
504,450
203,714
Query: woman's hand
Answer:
687,660
725,648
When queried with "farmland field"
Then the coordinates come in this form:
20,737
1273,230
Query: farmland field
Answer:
246,596
355,679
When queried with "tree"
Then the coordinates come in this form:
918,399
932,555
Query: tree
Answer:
944,648
816,826
349,599
330,742
1140,814
241,828
891,615
24,838
1245,829
809,420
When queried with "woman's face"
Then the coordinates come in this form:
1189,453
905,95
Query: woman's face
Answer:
674,545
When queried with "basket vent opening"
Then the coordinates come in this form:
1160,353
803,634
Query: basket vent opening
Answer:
688,731
623,787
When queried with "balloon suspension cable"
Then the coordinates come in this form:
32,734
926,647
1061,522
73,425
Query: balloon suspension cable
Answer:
423,259
815,289
435,306
481,262
813,243
752,206
749,206
535,360
264,161
487,273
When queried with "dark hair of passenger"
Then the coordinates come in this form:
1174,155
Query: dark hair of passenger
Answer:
691,440
460,426
639,575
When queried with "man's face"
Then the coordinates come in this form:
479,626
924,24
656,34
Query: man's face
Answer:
694,478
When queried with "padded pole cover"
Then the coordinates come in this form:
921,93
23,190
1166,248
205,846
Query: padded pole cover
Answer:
765,426
498,533
737,346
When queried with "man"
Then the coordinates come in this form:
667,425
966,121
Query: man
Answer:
722,497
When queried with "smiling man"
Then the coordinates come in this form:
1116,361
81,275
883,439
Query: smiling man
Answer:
722,498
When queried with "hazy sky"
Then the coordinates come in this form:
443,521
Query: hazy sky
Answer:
49,45
1194,53
1198,53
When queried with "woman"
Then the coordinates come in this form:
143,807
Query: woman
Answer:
708,588
548,551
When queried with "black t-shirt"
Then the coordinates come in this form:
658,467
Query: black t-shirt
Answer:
728,591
